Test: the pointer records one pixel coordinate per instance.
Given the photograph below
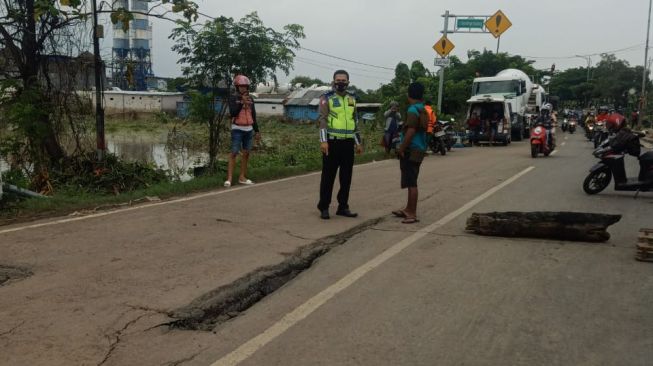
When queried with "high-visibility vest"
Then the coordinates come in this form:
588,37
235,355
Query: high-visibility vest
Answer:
342,123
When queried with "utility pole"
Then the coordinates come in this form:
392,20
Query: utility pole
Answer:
98,32
589,64
644,77
441,89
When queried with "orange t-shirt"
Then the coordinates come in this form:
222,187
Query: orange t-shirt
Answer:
432,118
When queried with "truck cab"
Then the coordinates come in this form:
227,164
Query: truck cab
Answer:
485,106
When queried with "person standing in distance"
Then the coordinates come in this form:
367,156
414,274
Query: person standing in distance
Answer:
243,129
338,138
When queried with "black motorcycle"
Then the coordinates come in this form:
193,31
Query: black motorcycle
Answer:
612,165
437,143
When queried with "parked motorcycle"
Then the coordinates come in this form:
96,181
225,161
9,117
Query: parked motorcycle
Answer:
437,142
449,137
540,143
612,165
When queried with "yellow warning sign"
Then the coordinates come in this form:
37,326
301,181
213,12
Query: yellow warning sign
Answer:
497,24
443,47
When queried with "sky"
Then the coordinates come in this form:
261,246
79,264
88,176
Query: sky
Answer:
384,32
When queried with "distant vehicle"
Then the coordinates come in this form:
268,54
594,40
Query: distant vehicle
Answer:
485,106
516,88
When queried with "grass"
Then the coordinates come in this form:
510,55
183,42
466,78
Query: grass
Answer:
287,150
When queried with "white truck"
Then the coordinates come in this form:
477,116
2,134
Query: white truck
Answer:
512,94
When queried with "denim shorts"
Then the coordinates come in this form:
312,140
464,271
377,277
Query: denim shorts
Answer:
241,140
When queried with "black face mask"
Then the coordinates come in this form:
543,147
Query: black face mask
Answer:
341,87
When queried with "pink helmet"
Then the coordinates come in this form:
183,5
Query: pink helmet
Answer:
241,80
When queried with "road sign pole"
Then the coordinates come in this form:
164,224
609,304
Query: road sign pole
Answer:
498,43
642,109
441,88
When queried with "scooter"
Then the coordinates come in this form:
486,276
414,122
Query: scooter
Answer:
539,141
612,165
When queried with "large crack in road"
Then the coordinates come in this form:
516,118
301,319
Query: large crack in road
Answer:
226,302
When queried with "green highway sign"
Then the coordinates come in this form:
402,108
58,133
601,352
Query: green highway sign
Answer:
470,23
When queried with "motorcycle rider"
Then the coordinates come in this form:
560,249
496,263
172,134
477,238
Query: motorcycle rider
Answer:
624,139
603,114
546,120
590,120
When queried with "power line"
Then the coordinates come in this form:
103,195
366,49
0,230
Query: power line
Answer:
631,48
352,73
347,60
370,72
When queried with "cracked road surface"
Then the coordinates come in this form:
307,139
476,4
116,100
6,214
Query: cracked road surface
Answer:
102,287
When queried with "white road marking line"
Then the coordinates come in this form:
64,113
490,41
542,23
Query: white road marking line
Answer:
563,144
144,206
290,319
566,137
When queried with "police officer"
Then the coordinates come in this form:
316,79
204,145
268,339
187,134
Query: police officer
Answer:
338,138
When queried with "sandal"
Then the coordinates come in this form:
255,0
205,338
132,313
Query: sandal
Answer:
399,213
409,220
227,183
246,182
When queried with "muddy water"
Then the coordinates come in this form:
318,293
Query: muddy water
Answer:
176,158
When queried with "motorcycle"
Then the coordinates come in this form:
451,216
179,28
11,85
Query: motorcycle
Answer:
437,141
612,165
565,125
572,126
449,137
540,143
600,133
589,131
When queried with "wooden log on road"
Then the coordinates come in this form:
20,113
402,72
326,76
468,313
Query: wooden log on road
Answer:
566,226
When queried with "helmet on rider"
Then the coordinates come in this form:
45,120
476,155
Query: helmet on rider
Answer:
615,124
241,80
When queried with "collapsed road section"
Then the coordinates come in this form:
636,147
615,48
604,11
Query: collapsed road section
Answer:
226,302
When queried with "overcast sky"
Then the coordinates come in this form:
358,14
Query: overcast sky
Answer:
384,32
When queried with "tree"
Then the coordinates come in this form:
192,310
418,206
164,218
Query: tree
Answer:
402,75
306,81
417,70
30,32
222,48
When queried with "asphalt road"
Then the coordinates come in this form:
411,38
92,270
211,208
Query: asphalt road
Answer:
424,294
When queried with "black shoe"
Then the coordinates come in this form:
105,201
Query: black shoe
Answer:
324,214
346,213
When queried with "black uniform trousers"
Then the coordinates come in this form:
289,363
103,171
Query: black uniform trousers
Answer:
341,156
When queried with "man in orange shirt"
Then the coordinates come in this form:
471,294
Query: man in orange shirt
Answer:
432,121
432,117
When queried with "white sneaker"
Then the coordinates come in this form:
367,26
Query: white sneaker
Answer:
246,182
227,183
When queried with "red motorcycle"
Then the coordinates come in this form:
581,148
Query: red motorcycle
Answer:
539,141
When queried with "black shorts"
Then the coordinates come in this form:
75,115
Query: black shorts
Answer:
409,172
